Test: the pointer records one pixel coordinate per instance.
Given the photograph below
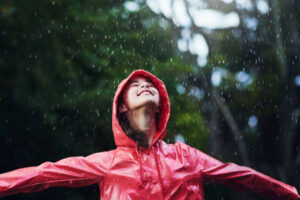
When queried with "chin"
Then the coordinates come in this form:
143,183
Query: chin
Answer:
147,102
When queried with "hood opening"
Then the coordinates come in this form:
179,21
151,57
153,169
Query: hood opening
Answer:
121,139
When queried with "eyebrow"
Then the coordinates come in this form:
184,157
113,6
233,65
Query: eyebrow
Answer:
134,81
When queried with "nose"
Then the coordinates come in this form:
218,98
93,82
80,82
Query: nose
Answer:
145,84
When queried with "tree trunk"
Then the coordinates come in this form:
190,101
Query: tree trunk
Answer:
288,110
234,129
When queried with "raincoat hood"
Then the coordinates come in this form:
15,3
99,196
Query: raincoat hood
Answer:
121,139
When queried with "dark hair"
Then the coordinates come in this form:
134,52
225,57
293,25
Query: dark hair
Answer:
138,136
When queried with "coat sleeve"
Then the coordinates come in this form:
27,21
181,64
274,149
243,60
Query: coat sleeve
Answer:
246,179
241,178
68,172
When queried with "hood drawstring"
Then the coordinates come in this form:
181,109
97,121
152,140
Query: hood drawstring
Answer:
157,167
140,165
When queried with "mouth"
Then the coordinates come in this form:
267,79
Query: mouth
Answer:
149,91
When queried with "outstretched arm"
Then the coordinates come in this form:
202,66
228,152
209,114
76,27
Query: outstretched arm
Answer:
69,172
240,177
246,179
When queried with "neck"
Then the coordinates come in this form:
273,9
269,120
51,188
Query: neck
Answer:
143,119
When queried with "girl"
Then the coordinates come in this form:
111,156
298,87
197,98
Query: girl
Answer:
143,166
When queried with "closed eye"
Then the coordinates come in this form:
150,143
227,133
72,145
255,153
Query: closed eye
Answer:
150,84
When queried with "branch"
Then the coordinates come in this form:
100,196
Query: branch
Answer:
234,128
215,142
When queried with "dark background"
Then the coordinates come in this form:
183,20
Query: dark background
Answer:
61,62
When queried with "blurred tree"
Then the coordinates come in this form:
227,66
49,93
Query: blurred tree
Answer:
60,64
249,91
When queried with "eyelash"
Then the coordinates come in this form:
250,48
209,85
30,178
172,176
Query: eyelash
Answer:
150,85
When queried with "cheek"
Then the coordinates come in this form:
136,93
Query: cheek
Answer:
130,98
158,97
158,100
125,97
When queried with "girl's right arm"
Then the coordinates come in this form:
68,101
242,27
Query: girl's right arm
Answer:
68,172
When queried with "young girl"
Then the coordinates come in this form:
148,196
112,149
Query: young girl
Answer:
143,166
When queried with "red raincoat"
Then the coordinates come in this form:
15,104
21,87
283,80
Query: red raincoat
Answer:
163,171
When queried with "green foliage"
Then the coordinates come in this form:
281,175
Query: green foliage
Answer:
60,64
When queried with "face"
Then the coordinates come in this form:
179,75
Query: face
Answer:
139,92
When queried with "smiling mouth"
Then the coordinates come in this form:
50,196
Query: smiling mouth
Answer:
145,91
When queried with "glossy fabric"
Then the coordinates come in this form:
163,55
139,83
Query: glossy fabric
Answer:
163,171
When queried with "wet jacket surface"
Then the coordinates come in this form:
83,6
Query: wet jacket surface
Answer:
163,171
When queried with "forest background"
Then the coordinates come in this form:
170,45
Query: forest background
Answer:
239,101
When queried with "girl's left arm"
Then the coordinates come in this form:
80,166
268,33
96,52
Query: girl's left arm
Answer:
247,179
240,177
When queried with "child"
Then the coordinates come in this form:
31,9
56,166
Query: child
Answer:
143,166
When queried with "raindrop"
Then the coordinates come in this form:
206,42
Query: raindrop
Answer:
197,93
216,78
252,122
297,80
180,89
179,138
